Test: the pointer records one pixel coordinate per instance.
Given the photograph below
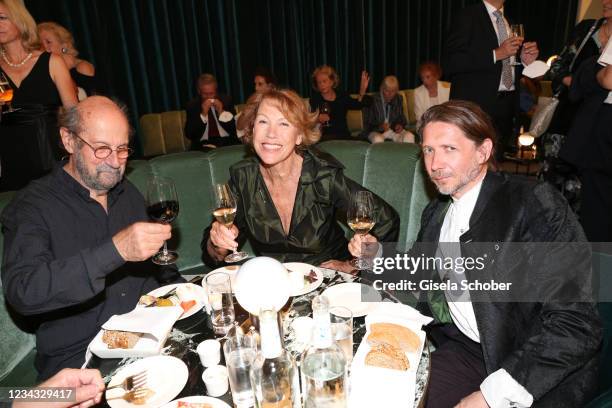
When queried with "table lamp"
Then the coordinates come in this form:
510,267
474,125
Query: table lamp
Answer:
262,282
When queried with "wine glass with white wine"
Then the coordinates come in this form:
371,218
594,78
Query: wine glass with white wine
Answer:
225,212
361,220
518,30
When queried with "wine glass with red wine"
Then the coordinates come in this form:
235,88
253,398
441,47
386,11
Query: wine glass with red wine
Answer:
163,207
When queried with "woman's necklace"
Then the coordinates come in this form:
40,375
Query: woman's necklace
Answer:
17,65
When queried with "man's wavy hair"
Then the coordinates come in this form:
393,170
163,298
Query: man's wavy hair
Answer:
475,124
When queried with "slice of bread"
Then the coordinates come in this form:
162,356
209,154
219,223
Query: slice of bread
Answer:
120,339
386,356
405,338
379,338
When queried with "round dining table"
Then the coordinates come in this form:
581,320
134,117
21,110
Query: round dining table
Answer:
188,333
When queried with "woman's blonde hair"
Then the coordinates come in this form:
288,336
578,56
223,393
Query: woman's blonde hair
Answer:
23,20
291,105
64,36
327,70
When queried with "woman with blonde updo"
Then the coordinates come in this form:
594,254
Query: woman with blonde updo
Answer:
58,40
288,193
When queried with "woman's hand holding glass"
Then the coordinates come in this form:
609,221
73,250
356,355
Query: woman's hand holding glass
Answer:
224,234
223,238
356,244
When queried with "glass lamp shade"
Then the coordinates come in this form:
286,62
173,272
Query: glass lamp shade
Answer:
526,139
262,283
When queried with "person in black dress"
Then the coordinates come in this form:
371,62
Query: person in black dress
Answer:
333,103
29,139
59,40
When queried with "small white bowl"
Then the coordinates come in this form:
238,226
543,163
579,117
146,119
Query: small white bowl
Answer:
209,352
216,380
302,326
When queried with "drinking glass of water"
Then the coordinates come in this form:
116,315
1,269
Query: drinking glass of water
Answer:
239,357
222,315
341,320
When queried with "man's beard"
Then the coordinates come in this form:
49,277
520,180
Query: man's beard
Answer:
94,181
464,179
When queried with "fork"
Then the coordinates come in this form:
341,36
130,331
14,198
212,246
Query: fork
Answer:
137,393
138,380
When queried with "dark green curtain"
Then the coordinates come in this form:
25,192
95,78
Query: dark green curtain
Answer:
149,52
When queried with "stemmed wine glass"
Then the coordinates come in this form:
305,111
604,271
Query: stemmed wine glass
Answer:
163,207
6,92
325,109
225,212
517,30
360,219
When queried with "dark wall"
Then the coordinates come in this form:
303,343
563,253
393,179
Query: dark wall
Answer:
150,51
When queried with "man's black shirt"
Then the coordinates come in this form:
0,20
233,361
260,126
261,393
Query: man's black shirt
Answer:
61,268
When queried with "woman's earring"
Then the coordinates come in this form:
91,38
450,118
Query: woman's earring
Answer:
64,50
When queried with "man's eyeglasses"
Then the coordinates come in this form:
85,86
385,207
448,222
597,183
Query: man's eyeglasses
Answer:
102,152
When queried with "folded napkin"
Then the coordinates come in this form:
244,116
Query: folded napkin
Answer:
154,321
535,69
399,311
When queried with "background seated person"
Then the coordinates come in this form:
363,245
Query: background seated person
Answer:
210,117
77,241
385,119
264,80
289,192
333,104
432,91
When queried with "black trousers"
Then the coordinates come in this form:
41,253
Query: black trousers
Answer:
503,112
596,205
457,367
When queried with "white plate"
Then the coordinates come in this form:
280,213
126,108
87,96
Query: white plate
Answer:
231,270
214,402
305,269
166,376
198,294
349,295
